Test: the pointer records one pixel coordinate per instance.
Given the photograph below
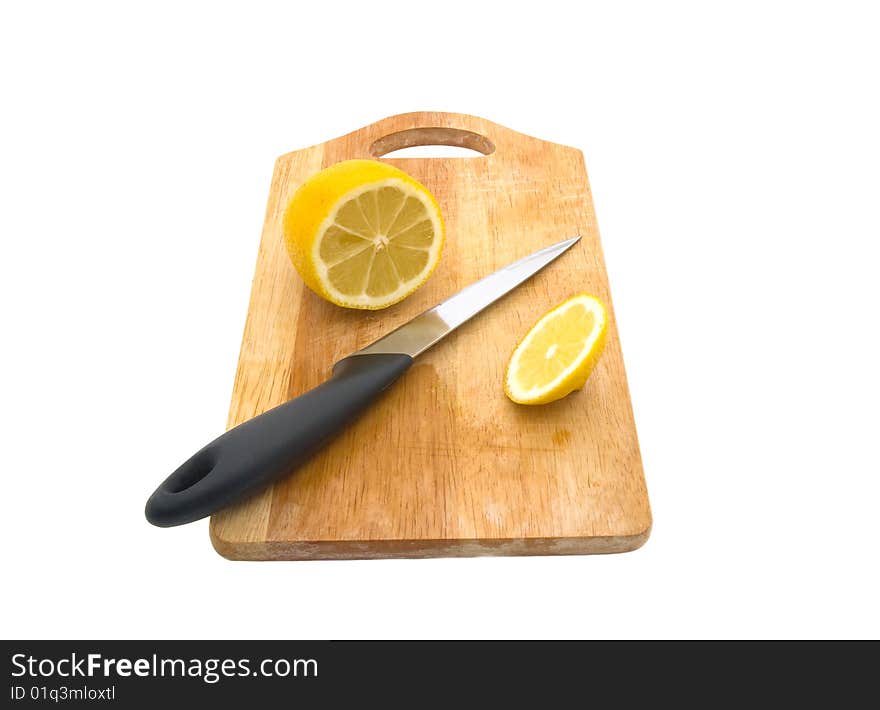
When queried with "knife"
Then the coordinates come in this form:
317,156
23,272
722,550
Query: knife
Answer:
271,445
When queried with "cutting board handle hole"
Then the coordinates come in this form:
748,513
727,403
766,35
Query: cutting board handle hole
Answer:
191,472
431,142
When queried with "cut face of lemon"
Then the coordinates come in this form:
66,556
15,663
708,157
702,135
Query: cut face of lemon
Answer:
559,352
363,234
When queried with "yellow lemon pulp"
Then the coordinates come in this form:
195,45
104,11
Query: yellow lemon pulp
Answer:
363,234
558,353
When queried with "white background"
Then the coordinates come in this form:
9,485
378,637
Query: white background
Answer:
735,163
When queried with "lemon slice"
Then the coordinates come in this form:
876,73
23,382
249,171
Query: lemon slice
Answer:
559,352
363,234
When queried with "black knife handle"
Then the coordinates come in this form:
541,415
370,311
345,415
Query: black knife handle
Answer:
269,446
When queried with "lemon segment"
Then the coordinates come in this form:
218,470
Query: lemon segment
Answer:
363,234
558,353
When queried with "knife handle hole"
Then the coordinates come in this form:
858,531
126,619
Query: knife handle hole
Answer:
432,142
191,472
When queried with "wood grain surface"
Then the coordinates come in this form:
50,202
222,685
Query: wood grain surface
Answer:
444,464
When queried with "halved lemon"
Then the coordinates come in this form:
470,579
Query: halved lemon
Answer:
559,352
363,234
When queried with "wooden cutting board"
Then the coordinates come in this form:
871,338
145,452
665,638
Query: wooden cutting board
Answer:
444,464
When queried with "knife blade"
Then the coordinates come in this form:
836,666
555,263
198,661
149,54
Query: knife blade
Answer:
253,454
